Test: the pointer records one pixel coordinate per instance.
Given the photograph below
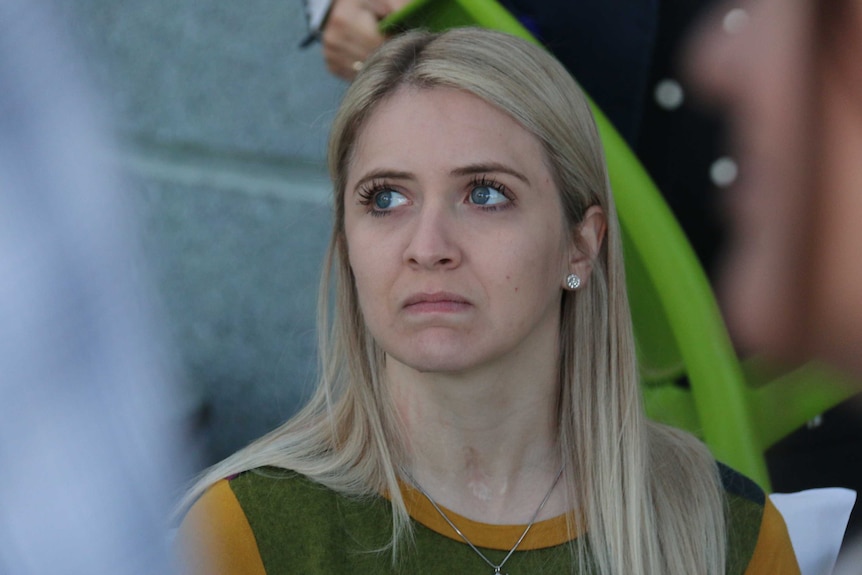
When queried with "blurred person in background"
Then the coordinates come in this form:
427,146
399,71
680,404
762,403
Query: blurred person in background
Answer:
790,78
87,453
791,82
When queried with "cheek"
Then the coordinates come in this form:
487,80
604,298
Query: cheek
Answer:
369,275
765,272
764,276
534,273
836,289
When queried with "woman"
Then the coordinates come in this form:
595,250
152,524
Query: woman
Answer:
480,357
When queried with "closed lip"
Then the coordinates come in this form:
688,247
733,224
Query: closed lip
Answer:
435,298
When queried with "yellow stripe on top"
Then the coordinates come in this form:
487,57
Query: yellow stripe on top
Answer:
215,537
543,534
773,553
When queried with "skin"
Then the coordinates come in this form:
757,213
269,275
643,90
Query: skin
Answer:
757,75
792,286
350,33
836,298
464,298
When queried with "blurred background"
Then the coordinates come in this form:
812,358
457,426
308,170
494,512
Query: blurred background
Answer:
222,121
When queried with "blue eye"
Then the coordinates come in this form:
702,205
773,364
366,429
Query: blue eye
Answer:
387,199
487,196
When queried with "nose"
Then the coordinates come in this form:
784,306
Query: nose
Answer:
434,241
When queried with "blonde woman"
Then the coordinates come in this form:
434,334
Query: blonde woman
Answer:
478,409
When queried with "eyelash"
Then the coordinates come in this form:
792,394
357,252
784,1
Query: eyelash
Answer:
486,182
369,191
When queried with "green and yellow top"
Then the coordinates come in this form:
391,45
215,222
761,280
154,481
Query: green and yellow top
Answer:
272,522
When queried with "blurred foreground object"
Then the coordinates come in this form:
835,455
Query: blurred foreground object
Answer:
788,76
787,73
87,449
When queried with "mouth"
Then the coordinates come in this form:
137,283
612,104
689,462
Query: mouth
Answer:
439,302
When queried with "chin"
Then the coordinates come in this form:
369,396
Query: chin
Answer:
435,357
433,362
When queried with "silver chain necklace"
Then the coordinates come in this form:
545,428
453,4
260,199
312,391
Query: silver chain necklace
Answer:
496,568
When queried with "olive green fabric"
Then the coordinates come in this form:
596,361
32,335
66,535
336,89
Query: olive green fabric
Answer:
745,502
301,527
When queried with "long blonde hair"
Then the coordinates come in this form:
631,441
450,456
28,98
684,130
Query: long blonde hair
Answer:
650,495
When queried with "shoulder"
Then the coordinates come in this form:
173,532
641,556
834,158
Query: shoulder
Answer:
227,530
758,541
273,484
271,520
215,535
265,497
276,486
739,486
284,502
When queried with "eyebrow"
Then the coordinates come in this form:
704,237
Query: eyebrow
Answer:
492,167
384,174
468,170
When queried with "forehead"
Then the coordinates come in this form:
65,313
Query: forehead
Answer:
421,126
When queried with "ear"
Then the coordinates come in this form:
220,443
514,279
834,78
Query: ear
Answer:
586,243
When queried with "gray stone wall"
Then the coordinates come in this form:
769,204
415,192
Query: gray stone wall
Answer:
222,122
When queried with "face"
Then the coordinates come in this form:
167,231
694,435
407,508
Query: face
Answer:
836,295
793,284
757,74
455,233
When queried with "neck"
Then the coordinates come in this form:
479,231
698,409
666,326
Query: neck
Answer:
483,443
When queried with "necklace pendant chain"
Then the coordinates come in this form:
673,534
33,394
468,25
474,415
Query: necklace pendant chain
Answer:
497,568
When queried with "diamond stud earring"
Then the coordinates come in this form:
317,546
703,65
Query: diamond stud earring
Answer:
573,282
